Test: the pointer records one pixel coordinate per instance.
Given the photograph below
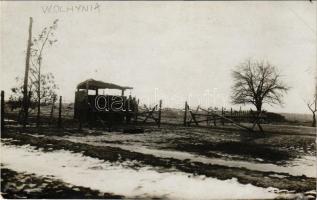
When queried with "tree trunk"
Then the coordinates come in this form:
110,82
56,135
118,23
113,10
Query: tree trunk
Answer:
2,110
39,94
259,110
60,112
314,120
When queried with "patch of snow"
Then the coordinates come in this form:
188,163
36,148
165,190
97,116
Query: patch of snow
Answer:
9,120
302,166
118,178
35,135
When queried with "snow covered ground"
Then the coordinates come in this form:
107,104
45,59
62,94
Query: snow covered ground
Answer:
301,166
122,179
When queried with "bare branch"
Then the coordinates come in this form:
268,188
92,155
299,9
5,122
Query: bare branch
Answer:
257,83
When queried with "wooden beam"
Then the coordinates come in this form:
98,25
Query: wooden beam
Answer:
237,124
159,114
26,76
2,110
150,114
185,114
197,109
193,117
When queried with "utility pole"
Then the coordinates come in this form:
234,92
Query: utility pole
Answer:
39,93
26,76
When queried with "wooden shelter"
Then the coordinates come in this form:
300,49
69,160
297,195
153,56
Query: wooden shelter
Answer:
106,108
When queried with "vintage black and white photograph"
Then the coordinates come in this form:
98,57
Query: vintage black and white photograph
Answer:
158,99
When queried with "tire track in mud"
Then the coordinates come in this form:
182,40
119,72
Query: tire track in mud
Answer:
114,154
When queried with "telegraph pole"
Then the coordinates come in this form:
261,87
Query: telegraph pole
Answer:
26,76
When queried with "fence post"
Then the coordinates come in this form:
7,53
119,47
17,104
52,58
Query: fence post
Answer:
159,114
52,110
28,104
2,110
222,114
185,114
60,112
207,118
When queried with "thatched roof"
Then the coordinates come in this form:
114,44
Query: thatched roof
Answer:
93,84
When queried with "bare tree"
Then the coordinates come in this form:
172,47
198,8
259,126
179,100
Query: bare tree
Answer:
313,108
38,46
312,105
47,95
257,83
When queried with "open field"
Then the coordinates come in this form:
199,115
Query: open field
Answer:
143,161
169,115
279,164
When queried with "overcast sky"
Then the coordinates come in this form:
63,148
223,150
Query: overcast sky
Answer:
174,51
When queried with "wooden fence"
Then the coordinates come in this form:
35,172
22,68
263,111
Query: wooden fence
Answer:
215,117
60,115
146,113
51,114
